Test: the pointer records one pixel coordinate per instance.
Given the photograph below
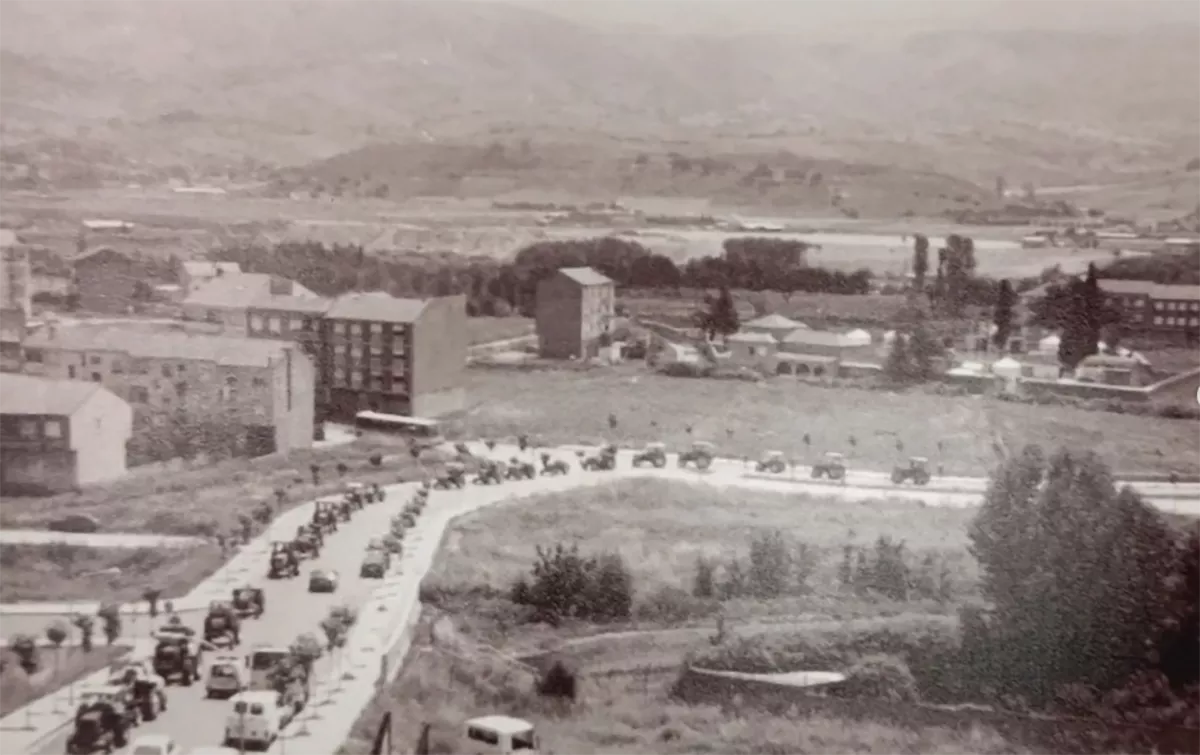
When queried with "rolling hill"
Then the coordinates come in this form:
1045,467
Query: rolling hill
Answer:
143,89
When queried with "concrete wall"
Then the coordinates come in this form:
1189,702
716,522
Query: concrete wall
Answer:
99,431
438,357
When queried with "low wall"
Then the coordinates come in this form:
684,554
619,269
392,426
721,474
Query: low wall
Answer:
1043,733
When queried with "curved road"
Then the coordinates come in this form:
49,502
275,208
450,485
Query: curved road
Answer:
194,721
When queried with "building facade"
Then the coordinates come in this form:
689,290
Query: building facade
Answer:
59,435
106,281
575,308
1168,312
16,288
374,351
265,387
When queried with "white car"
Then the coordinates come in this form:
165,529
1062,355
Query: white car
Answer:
154,744
255,718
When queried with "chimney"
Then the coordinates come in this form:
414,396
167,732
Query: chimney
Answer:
280,287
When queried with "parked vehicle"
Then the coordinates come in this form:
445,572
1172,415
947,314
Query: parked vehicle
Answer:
554,467
499,734
320,580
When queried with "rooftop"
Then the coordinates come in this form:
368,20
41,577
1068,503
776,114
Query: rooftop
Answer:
307,304
376,306
8,237
817,338
25,394
751,338
202,267
774,321
238,290
585,276
139,342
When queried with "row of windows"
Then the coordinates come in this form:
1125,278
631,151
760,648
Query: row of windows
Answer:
266,324
32,429
1159,306
358,350
1177,322
363,381
140,394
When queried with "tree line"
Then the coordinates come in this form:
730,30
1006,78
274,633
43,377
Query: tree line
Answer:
497,288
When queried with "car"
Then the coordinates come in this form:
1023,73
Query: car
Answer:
255,718
227,676
321,580
154,744
374,565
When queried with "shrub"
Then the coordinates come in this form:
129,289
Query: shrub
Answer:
880,676
671,605
565,584
26,650
559,682
704,585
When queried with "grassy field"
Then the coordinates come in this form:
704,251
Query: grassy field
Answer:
206,500
58,669
661,528
69,572
746,419
488,329
624,713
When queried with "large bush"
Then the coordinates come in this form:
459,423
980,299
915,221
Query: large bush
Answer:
566,585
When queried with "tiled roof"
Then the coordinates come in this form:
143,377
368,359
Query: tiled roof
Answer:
1115,286
25,394
376,306
774,322
313,305
751,338
139,342
585,276
817,338
237,291
203,268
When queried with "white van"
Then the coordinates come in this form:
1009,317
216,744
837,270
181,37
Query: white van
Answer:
499,734
254,718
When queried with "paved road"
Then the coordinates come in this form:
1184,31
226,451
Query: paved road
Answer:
194,721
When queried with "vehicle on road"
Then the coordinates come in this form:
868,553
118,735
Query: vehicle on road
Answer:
426,432
325,516
100,725
154,744
283,562
178,658
262,660
499,734
773,462
554,467
916,470
249,601
374,565
605,460
455,476
227,676
491,473
654,454
255,719
700,455
322,580
148,689
213,751
832,466
520,470
220,622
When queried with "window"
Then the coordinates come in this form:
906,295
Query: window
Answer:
1196,306
139,395
356,379
376,328
34,355
166,370
376,366
94,361
355,330
28,428
340,377
95,377
1157,320
276,325
1194,321
399,385
53,428
117,367
296,324
1139,303
1158,306
181,388
259,382
71,371
256,322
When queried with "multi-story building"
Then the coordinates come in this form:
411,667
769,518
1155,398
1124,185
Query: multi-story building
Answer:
106,281
265,387
1147,309
58,435
16,290
375,351
575,307
225,299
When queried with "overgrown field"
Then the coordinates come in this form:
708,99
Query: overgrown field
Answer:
61,572
208,500
874,428
487,329
623,713
57,668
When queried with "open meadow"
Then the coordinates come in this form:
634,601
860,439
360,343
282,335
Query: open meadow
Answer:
746,418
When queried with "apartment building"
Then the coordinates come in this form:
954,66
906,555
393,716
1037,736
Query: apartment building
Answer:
575,307
1159,309
58,435
263,386
225,299
16,289
374,351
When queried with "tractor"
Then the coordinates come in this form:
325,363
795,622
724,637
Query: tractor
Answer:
654,454
916,470
492,472
773,462
283,562
700,455
833,466
520,470
455,476
604,461
554,467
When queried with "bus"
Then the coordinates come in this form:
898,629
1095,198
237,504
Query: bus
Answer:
413,427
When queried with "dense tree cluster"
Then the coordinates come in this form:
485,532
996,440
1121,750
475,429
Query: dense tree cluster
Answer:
1080,312
563,584
499,288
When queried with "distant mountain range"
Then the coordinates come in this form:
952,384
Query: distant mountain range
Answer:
227,87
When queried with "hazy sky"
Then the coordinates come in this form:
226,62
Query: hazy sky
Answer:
763,15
